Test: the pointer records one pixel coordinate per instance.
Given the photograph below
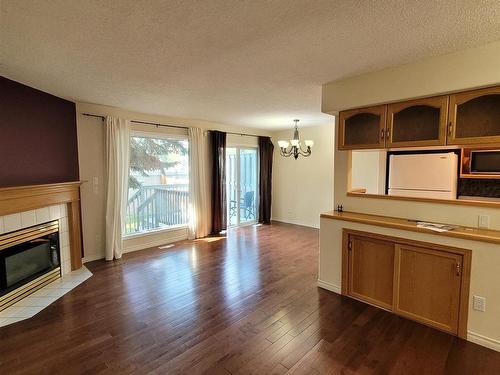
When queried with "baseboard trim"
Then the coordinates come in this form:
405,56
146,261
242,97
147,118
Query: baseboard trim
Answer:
141,246
329,286
162,241
479,339
91,258
295,222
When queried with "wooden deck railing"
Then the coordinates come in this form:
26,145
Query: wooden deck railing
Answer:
157,206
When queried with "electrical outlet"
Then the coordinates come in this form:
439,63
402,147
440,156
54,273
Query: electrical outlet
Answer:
479,303
483,221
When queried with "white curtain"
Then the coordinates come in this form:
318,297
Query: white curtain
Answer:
199,183
117,157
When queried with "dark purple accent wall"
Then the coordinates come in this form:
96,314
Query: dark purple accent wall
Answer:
38,140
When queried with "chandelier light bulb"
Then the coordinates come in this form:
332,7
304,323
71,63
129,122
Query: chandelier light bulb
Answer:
283,144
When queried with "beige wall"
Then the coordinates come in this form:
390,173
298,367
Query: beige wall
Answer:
91,160
368,171
461,70
303,188
92,167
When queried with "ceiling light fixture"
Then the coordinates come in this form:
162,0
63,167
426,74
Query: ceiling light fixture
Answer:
296,148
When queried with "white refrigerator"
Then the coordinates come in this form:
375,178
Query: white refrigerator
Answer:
424,175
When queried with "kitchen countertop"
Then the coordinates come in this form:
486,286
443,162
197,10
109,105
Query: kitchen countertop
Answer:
468,233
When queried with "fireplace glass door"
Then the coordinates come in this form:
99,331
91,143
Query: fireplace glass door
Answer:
28,262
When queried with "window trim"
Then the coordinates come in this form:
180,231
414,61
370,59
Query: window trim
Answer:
158,135
155,231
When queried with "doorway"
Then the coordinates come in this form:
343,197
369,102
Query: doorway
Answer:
241,185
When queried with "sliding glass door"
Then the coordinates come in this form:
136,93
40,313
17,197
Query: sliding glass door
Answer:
241,180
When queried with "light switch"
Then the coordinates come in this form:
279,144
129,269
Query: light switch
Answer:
484,221
95,185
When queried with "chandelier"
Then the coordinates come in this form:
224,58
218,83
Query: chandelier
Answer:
296,148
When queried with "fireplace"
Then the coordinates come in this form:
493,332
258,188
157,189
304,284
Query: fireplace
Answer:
29,260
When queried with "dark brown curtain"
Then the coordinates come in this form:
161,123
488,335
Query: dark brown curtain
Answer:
266,149
219,220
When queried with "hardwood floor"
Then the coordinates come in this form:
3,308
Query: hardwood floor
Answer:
241,305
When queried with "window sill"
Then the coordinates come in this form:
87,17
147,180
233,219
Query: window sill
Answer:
155,231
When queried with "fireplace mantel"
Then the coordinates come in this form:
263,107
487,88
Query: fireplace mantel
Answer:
23,198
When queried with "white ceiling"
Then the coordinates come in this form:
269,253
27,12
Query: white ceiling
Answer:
251,63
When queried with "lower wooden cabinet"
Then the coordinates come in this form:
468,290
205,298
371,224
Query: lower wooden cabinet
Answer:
427,286
369,260
424,282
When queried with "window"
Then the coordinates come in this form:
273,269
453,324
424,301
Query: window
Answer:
158,194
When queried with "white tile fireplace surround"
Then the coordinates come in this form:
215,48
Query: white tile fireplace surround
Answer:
21,220
36,302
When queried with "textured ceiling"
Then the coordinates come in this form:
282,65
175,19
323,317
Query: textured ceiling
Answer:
252,63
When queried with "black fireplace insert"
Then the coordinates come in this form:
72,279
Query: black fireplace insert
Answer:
27,254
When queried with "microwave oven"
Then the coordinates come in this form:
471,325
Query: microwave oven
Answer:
485,162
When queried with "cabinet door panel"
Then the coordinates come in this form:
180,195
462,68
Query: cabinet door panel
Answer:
475,117
371,270
420,122
427,286
362,128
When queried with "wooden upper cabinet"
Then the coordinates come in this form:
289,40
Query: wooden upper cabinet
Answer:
427,286
420,122
362,128
475,117
470,117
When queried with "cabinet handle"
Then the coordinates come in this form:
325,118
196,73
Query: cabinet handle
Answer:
459,269
382,134
450,129
388,134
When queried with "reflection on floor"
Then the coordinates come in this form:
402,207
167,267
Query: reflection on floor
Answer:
247,303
